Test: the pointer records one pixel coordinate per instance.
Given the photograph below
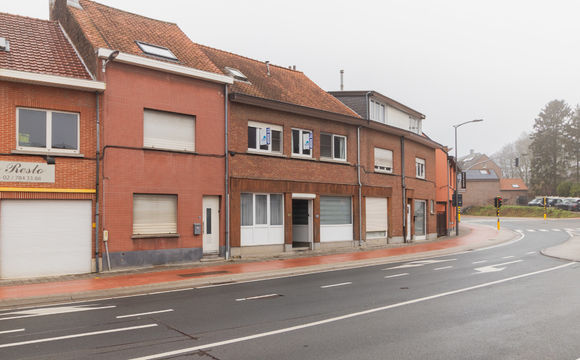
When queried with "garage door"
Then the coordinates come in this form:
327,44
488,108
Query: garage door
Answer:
44,237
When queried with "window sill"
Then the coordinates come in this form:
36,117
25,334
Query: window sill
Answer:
383,172
334,161
152,236
266,153
302,157
46,153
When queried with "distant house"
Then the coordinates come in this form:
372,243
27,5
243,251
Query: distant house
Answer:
484,182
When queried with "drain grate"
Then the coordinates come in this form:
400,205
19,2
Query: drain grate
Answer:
203,273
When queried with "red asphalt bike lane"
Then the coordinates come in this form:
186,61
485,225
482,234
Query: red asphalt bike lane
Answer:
478,235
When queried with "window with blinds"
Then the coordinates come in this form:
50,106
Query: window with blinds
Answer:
376,217
165,130
335,210
154,214
383,160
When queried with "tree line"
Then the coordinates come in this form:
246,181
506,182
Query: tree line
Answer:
549,156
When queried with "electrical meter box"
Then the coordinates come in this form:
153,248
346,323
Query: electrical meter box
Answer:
196,229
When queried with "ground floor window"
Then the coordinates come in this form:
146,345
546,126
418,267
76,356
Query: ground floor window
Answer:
376,217
154,214
336,218
262,219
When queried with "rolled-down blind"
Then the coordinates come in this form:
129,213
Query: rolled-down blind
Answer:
164,130
154,214
335,210
376,214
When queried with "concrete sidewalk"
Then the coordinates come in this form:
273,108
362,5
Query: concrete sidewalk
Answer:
570,250
94,286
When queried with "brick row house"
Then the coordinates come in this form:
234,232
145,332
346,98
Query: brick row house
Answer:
48,117
195,152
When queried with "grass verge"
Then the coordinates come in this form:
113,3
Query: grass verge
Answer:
519,211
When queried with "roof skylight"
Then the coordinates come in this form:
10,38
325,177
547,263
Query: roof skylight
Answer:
237,74
156,50
515,186
4,44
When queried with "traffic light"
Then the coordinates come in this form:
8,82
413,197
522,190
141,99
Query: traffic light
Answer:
517,162
495,202
499,200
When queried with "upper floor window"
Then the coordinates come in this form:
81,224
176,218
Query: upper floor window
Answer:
47,131
377,112
420,168
165,130
264,137
333,146
415,125
302,142
383,160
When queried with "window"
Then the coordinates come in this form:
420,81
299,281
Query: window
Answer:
261,209
415,125
47,131
432,206
383,160
154,214
333,146
420,167
264,137
335,210
165,130
302,142
156,50
377,112
237,74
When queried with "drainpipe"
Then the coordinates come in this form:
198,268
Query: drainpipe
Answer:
227,173
403,190
447,205
97,97
359,186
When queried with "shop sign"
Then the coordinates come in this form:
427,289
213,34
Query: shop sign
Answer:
17,171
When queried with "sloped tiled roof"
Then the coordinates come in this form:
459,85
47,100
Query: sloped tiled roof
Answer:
512,184
110,28
283,84
485,174
38,46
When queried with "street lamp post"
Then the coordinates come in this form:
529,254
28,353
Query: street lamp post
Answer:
456,192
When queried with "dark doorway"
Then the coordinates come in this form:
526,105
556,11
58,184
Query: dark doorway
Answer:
301,223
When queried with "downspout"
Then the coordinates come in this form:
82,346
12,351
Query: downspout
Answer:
97,187
359,187
227,173
447,204
404,190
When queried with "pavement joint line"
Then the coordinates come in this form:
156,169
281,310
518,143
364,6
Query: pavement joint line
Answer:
76,335
346,316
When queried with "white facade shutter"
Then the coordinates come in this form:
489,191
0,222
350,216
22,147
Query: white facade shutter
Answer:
376,214
335,210
154,214
164,130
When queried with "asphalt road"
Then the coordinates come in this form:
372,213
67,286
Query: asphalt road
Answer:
506,302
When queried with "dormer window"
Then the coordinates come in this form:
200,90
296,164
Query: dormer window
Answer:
156,50
237,74
4,44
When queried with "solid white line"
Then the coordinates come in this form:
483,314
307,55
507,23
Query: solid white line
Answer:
508,257
145,313
343,317
76,335
396,275
443,268
334,285
11,331
479,262
257,297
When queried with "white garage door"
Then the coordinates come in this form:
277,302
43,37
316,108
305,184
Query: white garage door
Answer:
44,237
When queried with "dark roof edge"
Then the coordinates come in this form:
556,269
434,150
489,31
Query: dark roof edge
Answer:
388,100
327,115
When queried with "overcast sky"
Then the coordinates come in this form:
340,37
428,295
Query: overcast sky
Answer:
452,60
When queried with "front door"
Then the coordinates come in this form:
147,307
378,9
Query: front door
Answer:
420,207
301,223
211,224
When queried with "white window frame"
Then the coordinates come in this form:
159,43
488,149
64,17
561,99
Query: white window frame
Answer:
301,134
48,148
379,167
378,112
259,126
169,144
268,210
332,137
415,125
420,168
171,232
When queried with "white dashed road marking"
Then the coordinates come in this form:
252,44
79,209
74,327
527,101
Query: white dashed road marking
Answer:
143,314
11,331
508,257
396,275
258,297
531,230
335,285
479,262
443,268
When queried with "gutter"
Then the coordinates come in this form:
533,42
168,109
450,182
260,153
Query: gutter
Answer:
51,80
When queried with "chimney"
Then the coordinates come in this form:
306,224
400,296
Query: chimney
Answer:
341,80
268,67
471,151
294,67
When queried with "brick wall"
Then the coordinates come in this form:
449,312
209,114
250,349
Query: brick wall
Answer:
480,193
